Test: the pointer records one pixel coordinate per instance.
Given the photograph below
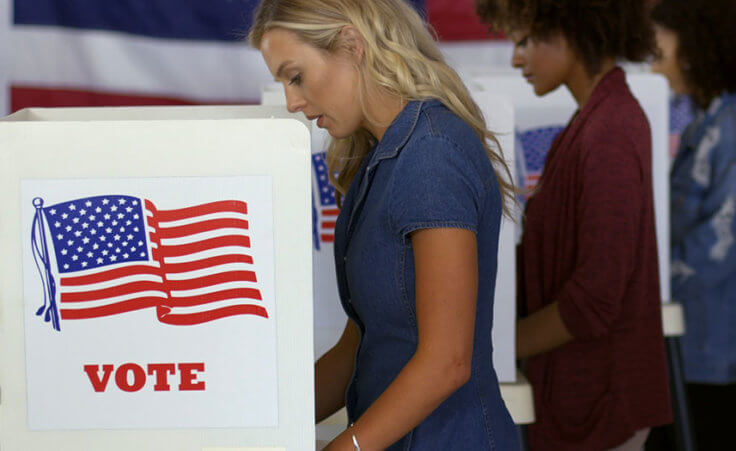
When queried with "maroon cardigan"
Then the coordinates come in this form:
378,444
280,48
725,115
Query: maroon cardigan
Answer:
589,243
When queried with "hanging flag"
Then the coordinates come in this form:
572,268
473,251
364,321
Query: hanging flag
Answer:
682,112
532,147
115,254
327,211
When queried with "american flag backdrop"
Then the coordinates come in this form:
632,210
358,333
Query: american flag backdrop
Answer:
152,52
115,254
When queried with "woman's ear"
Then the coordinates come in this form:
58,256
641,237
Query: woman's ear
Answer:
353,42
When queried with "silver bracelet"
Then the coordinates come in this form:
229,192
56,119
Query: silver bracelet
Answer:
355,439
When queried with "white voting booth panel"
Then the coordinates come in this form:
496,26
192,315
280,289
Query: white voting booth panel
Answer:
155,280
537,116
329,318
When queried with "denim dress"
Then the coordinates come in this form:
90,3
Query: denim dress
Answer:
430,170
703,252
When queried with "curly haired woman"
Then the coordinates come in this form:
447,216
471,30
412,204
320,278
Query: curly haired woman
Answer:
588,276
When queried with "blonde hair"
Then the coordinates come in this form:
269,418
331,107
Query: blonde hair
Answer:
400,56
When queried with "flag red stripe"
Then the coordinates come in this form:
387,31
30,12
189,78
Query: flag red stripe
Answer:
109,275
331,212
199,246
327,238
456,20
35,96
328,224
200,227
211,315
214,279
236,293
207,263
225,206
112,309
120,290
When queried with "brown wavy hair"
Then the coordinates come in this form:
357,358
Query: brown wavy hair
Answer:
595,29
707,44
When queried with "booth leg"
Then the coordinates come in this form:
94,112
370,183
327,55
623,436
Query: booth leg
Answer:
684,439
523,437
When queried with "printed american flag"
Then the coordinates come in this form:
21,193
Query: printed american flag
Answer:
117,254
327,210
533,146
682,113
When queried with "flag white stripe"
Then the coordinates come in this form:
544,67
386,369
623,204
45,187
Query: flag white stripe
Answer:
202,236
176,310
227,250
87,272
113,61
120,62
214,289
210,271
110,283
475,56
200,218
112,300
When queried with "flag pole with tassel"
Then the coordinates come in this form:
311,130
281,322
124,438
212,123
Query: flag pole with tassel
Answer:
43,263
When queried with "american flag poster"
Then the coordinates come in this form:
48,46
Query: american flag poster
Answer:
326,211
532,147
150,303
329,317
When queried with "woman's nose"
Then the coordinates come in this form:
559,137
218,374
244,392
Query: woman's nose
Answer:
517,59
294,102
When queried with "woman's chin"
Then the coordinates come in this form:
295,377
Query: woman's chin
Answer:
541,91
337,134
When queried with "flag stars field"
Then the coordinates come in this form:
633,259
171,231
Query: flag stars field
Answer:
104,213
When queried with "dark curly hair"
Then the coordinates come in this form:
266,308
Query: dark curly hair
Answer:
707,43
595,29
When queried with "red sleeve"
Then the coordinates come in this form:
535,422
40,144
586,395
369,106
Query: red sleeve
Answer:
611,196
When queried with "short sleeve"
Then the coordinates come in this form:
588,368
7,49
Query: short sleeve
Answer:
438,184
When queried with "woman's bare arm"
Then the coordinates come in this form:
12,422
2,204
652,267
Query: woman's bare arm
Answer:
446,266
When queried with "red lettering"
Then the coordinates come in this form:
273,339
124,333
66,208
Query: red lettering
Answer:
121,377
99,384
131,377
188,379
162,371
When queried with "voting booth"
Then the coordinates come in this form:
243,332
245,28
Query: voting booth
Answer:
330,319
155,280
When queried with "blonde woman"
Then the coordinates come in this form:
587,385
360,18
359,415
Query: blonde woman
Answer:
417,236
